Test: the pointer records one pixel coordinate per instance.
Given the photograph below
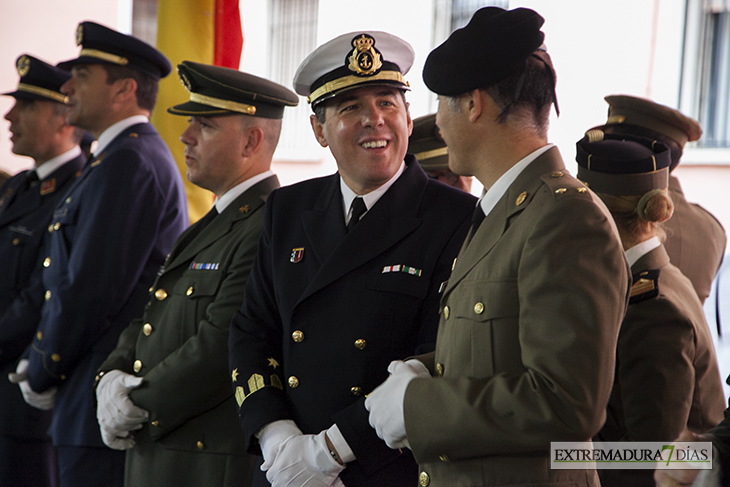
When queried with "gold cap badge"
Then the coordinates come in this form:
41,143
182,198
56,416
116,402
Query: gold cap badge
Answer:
79,35
365,59
23,65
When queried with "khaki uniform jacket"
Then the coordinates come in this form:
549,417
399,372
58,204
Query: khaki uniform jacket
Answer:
666,370
526,344
180,347
695,241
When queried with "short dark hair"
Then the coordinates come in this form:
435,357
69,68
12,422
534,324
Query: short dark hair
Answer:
320,108
146,85
528,92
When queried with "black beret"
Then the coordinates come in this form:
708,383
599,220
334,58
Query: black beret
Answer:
493,45
427,145
215,90
39,80
621,164
102,45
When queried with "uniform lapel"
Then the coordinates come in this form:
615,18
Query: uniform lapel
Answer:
391,219
193,241
517,197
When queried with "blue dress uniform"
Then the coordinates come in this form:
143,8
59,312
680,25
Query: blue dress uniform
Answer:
326,311
25,211
107,239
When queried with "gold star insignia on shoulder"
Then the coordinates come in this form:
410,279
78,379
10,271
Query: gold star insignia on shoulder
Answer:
234,375
273,363
244,209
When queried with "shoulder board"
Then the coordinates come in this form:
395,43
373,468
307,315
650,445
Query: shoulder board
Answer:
562,184
645,286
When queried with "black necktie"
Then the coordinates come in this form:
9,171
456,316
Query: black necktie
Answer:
476,219
208,218
358,209
31,179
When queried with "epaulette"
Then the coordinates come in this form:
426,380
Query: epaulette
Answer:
561,184
645,286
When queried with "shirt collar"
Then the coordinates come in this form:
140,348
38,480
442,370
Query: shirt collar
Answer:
113,130
47,168
640,250
369,199
490,198
236,191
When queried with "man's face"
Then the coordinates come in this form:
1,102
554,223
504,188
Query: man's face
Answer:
35,126
213,151
367,131
449,120
89,97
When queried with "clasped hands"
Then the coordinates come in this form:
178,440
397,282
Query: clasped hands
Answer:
118,416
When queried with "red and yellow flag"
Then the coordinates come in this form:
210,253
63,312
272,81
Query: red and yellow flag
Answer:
203,31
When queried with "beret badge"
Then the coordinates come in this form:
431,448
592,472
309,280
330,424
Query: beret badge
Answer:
23,65
364,59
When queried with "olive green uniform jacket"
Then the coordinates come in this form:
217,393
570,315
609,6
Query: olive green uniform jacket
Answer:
526,343
180,347
666,370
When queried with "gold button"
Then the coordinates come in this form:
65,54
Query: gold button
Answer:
147,329
16,241
356,391
446,312
360,344
152,288
297,336
39,335
557,174
479,308
440,369
293,382
560,190
47,262
56,226
137,365
521,198
424,479
155,423
69,200
200,445
582,190
50,228
48,295
56,357
189,291
444,458
161,294
63,377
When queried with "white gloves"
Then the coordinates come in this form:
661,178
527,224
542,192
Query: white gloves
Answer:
40,400
116,413
304,460
385,403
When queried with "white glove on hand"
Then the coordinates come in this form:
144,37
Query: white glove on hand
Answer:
304,460
116,413
40,400
385,403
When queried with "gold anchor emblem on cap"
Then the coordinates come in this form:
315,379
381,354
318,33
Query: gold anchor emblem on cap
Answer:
23,65
365,59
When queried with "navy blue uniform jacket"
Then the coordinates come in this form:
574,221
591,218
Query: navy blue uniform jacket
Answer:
24,218
325,312
110,235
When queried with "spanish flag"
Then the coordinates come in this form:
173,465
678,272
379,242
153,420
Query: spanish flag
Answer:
204,31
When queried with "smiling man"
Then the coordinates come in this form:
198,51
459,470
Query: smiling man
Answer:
39,130
347,277
108,237
168,374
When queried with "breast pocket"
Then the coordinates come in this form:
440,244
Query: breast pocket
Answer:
24,247
196,290
472,339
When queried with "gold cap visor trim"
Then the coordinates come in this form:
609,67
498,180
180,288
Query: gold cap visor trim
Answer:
430,154
224,104
105,56
348,81
53,95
